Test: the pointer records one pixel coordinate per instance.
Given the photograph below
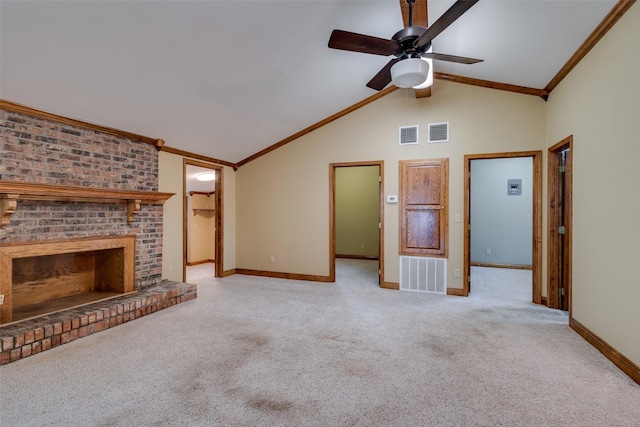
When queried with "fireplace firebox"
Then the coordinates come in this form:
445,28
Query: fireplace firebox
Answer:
37,278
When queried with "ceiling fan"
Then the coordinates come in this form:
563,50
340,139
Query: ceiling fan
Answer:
408,45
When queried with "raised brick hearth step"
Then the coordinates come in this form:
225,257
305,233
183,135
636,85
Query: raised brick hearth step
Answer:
32,336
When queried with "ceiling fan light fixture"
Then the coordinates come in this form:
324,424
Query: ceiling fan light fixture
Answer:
206,176
429,82
409,72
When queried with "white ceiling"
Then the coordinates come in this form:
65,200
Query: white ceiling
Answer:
226,79
193,184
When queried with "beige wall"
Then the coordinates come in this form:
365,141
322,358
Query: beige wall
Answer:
357,208
283,197
201,235
599,104
170,180
278,205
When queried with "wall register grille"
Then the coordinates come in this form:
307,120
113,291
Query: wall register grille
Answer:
408,135
438,132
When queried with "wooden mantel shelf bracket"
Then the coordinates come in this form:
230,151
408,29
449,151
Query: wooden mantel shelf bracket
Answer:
8,205
12,191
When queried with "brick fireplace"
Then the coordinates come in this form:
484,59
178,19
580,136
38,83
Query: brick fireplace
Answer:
65,182
40,151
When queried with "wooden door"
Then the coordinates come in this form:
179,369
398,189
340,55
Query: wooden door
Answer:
559,218
423,207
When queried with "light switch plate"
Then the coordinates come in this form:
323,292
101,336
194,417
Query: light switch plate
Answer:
392,198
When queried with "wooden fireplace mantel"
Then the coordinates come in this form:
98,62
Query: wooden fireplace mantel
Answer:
12,191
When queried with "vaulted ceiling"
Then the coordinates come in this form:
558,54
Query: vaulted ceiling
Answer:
227,79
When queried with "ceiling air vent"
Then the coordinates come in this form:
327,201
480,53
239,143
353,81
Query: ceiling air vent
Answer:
408,135
439,132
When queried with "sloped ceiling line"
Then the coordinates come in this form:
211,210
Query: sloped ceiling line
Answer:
420,6
603,28
607,23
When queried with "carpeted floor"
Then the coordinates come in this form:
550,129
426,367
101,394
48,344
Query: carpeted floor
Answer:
258,351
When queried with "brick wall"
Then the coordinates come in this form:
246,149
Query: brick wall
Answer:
42,151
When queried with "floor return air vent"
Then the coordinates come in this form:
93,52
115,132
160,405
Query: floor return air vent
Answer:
422,274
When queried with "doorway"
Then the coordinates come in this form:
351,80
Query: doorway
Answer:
356,214
535,212
202,221
559,218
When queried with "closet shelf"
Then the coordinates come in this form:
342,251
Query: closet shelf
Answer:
197,211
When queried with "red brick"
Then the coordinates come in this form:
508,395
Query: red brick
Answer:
5,357
57,328
112,322
29,337
37,347
65,337
46,344
75,323
7,343
26,350
84,320
93,317
66,326
82,331
16,354
18,341
39,334
55,341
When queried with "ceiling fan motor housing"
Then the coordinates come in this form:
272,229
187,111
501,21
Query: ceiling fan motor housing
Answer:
405,38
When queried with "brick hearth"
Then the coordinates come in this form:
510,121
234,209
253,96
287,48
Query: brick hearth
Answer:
23,339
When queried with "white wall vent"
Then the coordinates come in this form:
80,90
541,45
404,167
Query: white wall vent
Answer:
408,135
439,132
422,274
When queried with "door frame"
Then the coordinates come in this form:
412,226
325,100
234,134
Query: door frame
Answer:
536,252
554,193
332,216
219,221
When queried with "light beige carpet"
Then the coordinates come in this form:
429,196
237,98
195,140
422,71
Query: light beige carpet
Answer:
257,351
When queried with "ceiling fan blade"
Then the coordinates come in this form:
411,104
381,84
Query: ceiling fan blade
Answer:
453,13
345,40
451,58
383,78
